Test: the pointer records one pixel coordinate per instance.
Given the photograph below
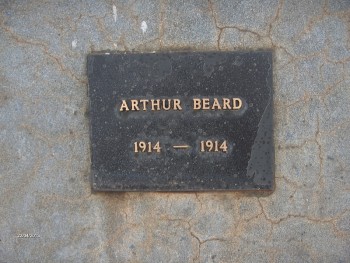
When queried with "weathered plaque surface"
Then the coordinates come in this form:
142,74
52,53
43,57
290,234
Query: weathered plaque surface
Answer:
181,121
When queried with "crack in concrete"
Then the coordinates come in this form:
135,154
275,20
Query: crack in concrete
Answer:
45,49
320,153
275,19
161,23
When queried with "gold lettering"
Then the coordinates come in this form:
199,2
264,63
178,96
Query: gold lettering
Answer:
146,147
144,103
213,146
226,103
155,103
134,105
205,104
216,105
164,103
197,104
236,103
124,106
177,104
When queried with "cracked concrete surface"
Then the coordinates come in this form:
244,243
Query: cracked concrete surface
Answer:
44,138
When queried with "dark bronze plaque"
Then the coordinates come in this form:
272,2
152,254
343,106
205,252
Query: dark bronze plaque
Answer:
181,121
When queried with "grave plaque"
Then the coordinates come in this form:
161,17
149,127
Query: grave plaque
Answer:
182,121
